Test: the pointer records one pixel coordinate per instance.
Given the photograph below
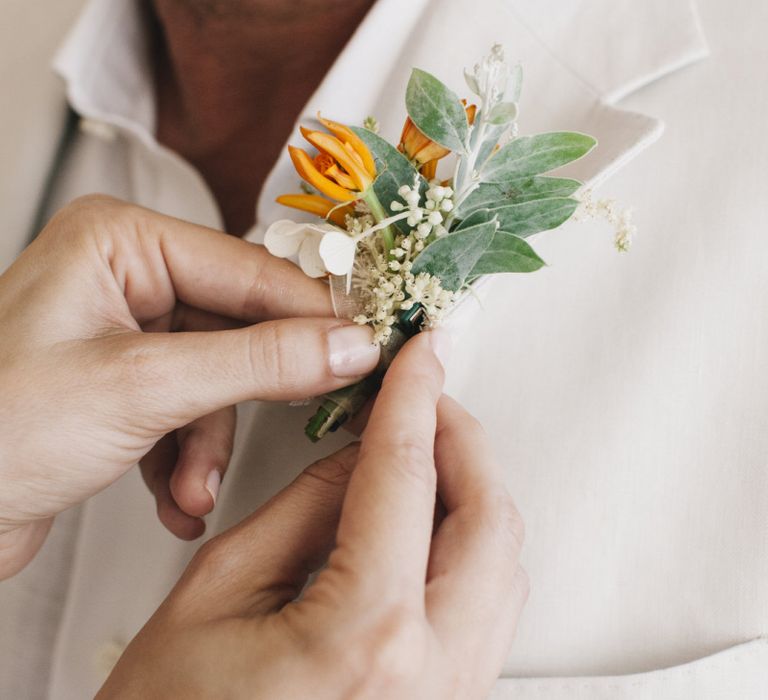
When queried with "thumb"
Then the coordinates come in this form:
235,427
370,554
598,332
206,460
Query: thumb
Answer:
175,378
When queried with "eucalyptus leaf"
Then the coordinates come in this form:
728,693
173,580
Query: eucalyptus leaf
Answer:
503,113
452,258
507,253
436,110
533,155
393,171
491,195
526,218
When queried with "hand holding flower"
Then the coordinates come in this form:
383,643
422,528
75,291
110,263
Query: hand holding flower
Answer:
405,607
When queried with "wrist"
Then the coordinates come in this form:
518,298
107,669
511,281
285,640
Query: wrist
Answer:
19,545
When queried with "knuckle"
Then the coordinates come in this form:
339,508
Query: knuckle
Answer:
522,584
387,653
275,364
333,470
213,560
391,655
512,525
420,382
473,427
253,299
87,216
497,515
414,460
207,552
89,202
138,363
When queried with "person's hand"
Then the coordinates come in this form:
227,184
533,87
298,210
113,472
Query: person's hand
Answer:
411,606
91,378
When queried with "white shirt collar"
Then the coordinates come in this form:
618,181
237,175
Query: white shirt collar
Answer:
106,65
107,68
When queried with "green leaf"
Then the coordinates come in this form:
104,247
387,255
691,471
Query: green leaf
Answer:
436,110
393,171
533,155
453,257
515,83
526,218
491,195
493,134
507,253
471,81
503,113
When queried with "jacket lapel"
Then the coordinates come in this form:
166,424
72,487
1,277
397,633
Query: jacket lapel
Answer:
444,37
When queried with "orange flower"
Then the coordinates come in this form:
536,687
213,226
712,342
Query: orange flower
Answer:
421,150
315,204
344,167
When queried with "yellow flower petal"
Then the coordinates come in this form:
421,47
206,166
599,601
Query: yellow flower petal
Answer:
315,204
337,174
307,170
335,148
344,133
429,169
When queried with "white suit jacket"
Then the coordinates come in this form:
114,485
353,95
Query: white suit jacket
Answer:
626,396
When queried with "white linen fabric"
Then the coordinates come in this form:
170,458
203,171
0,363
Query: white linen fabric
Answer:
626,396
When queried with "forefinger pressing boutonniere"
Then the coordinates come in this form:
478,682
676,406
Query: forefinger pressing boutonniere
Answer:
400,245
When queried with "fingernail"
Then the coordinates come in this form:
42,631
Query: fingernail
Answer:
212,483
442,345
351,351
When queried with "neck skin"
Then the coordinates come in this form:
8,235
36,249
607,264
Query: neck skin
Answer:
232,77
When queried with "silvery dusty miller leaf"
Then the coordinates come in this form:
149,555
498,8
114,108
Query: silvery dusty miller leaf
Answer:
472,83
452,257
393,171
493,134
528,189
436,110
507,253
503,113
533,155
515,83
526,218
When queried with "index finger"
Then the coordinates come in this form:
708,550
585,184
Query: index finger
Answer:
160,260
386,522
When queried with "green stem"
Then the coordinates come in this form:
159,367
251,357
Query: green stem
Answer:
379,214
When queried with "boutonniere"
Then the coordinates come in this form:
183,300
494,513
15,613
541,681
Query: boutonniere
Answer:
401,244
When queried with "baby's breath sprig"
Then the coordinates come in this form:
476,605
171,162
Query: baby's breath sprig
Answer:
609,210
372,124
385,283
